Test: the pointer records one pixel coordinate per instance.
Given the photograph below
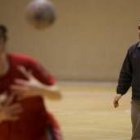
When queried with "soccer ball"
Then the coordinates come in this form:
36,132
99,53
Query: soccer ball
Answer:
40,13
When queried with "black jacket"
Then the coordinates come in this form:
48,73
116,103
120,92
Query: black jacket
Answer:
130,73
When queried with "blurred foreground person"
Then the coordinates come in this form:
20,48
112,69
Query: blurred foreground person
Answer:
24,83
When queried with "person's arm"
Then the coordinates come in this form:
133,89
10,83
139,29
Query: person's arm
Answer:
33,86
124,81
47,81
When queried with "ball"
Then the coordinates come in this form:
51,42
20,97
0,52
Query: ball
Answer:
40,13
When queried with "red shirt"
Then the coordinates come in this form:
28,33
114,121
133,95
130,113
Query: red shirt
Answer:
31,125
28,63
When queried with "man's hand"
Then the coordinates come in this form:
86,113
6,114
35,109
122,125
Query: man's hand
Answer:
116,100
9,111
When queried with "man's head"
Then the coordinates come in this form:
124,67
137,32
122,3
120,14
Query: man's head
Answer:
3,33
3,36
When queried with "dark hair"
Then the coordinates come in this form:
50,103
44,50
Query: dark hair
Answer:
3,32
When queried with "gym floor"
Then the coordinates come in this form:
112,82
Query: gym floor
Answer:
86,112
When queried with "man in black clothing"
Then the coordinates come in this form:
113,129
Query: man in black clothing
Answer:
130,76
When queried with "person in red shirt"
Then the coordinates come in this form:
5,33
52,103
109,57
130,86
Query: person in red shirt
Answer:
23,84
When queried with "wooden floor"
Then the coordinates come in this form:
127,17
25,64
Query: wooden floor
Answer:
86,112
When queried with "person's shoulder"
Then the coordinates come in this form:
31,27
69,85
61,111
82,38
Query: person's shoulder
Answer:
133,47
20,57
